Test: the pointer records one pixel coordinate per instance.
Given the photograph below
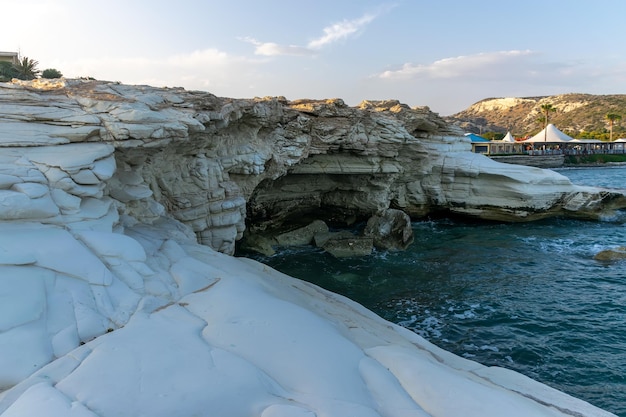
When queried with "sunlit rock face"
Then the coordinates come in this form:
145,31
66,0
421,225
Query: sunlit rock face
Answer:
115,203
221,165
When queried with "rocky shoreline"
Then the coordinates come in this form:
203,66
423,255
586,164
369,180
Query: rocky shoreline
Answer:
227,168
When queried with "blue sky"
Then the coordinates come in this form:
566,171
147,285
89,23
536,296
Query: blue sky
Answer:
445,54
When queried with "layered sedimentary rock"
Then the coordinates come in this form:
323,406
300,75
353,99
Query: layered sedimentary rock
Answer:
220,165
109,306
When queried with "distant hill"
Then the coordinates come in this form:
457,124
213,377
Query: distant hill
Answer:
577,115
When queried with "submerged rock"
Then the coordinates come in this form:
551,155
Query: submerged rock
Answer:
611,255
345,247
391,230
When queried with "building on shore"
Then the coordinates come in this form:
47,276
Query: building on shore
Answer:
550,141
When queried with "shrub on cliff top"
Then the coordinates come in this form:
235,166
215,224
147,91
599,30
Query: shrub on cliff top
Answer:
51,73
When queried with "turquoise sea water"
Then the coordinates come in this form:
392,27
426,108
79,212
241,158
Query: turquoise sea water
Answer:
528,297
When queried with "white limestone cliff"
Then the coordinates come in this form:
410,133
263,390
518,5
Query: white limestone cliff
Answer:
222,166
109,304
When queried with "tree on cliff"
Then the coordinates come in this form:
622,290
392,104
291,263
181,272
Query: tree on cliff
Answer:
612,118
7,71
546,109
51,73
26,69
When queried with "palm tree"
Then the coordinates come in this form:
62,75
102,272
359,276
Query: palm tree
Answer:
612,118
26,69
547,108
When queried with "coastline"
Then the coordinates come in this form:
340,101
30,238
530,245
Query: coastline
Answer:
594,165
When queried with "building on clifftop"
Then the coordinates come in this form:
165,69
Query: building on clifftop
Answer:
11,57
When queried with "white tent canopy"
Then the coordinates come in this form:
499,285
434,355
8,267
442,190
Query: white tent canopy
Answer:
550,135
508,138
588,141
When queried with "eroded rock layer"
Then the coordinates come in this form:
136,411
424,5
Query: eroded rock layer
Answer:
224,166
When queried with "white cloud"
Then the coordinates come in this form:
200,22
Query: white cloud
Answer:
209,69
479,65
333,33
274,49
340,31
210,56
451,84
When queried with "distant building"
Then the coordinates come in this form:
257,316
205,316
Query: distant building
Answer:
11,57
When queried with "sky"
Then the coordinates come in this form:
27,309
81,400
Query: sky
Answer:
444,54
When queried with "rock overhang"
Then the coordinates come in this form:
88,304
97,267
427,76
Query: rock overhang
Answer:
223,165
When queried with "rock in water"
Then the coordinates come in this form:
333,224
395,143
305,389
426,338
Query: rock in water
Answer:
611,255
303,235
391,230
349,246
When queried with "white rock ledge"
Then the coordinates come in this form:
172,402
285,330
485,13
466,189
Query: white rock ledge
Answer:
244,340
